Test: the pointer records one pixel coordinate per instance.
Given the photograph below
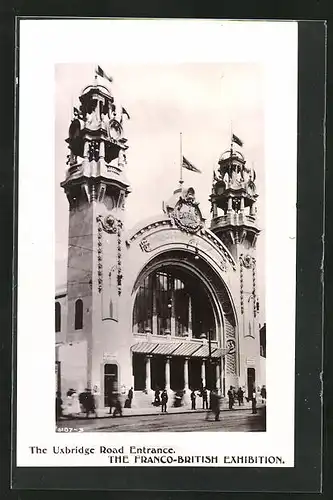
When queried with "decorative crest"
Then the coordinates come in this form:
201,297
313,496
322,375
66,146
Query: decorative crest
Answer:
186,212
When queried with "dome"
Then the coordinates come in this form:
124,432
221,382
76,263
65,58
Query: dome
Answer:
101,88
235,154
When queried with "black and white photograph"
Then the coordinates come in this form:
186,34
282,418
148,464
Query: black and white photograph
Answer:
156,243
160,299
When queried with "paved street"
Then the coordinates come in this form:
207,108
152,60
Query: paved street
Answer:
230,421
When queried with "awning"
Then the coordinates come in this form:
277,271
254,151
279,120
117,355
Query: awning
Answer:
143,347
190,349
202,352
165,348
217,353
186,349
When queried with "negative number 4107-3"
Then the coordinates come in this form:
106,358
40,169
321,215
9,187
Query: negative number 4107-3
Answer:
69,429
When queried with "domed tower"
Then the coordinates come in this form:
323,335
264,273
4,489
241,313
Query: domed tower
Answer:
233,200
96,189
234,221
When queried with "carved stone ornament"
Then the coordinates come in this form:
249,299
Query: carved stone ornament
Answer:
231,346
145,245
109,224
247,261
186,213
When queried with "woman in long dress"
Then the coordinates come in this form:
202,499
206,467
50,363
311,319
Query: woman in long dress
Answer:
71,405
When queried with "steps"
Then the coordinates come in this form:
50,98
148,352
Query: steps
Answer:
141,400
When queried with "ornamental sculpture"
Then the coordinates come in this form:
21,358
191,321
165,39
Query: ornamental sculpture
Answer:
109,223
187,214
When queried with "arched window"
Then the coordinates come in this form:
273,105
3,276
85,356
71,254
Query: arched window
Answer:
57,317
171,300
78,314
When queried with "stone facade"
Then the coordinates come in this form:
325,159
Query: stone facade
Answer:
120,321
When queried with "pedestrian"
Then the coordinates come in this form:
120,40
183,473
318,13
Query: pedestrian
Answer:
68,406
89,403
128,402
254,401
117,407
76,407
240,396
204,399
111,401
164,400
193,398
58,404
157,400
231,396
215,404
178,399
263,394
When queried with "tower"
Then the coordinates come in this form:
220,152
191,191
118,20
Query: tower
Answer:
234,221
96,189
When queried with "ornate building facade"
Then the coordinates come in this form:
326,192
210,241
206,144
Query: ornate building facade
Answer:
171,303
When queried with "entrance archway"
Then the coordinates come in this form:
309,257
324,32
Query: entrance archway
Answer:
183,299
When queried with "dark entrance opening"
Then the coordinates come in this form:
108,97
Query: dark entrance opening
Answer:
194,374
139,372
177,374
251,381
110,381
157,373
211,374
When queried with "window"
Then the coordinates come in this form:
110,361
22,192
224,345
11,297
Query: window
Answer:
57,317
171,300
78,314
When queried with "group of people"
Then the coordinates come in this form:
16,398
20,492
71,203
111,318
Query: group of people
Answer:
75,404
203,393
238,395
114,402
161,399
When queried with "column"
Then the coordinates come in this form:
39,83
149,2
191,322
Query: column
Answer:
101,156
148,376
154,311
167,373
173,318
186,374
187,398
190,316
214,210
218,377
230,204
242,204
85,162
203,372
252,209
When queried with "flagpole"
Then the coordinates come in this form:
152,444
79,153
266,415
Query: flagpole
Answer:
181,161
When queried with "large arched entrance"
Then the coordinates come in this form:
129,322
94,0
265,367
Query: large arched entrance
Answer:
185,320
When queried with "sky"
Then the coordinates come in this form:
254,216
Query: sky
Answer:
204,101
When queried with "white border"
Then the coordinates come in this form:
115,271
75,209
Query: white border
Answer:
43,43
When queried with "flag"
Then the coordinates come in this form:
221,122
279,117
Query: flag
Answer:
124,112
102,73
237,140
186,164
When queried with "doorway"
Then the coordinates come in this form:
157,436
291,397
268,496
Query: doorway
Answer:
177,373
194,374
251,382
139,372
157,373
110,381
